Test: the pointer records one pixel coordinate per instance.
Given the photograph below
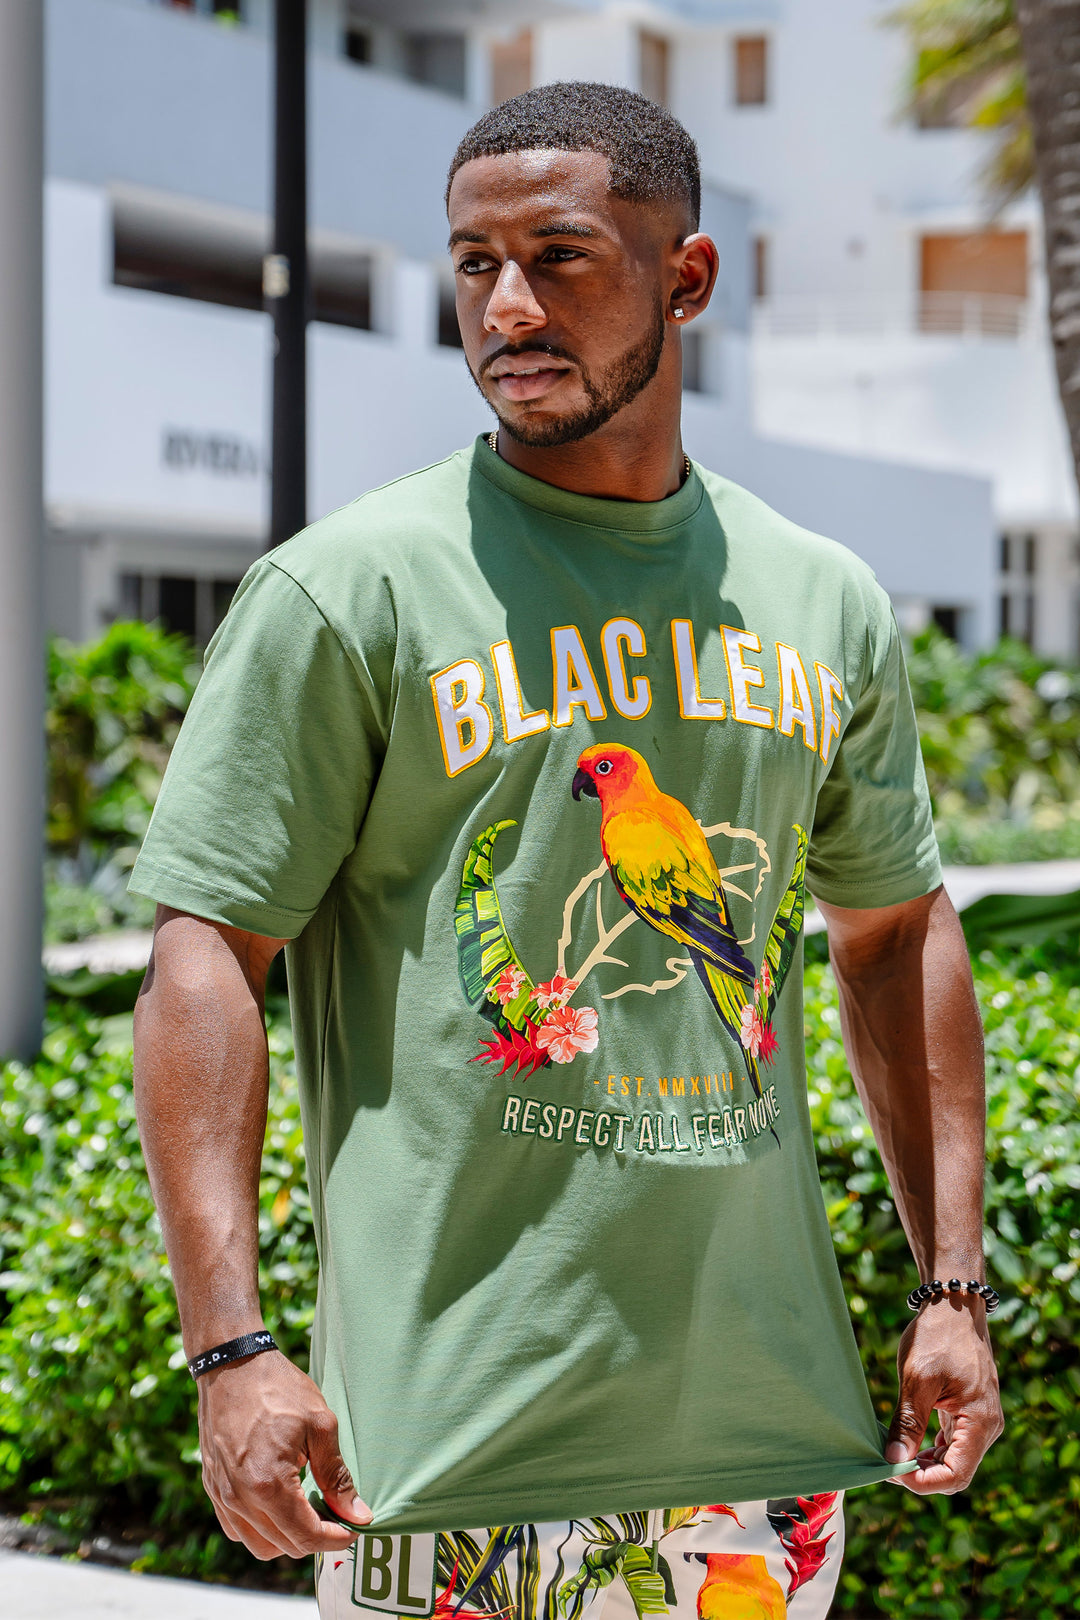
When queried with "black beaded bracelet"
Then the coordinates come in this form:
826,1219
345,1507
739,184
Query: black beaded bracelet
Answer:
249,1344
937,1290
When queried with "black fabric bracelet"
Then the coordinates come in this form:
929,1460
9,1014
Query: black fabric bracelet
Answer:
937,1290
249,1344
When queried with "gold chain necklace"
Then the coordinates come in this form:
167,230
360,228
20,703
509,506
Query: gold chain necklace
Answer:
493,445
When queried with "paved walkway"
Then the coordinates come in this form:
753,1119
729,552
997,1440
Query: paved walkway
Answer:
966,884
35,1587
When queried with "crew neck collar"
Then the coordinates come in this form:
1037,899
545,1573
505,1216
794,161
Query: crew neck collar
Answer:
644,519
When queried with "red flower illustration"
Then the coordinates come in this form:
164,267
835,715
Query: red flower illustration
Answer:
568,1031
555,992
508,985
805,1542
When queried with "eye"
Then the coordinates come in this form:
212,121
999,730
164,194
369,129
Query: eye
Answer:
561,255
603,767
474,266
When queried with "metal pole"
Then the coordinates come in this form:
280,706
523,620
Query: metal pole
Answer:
21,526
285,273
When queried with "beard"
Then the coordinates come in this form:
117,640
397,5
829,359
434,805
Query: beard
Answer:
606,394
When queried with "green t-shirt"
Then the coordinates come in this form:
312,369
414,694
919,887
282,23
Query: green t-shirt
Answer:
546,993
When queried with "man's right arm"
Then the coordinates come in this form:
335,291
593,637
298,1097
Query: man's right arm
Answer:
201,1078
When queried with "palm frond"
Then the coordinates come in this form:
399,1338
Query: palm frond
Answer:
484,947
787,924
968,57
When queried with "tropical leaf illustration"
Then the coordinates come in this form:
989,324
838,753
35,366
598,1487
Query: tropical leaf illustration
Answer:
484,948
651,1590
675,1518
473,1577
787,926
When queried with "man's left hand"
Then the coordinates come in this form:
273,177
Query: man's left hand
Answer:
946,1365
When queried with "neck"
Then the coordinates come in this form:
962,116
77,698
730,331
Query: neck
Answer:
637,456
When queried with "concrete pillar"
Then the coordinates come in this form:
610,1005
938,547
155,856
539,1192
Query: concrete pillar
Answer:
21,526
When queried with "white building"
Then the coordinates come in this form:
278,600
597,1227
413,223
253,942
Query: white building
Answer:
158,352
894,318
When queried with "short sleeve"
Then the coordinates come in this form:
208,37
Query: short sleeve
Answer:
873,842
273,769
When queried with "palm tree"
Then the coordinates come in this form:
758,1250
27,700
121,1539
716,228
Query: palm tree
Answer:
1013,66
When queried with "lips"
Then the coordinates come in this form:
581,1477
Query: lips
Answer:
526,376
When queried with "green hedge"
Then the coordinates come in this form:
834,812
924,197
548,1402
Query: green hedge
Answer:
97,1413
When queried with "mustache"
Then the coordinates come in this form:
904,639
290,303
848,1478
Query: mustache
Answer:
553,350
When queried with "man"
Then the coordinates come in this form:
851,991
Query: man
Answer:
524,757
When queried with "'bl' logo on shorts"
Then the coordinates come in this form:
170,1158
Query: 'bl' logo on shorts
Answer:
395,1574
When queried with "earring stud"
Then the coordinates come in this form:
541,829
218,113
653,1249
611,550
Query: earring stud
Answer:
678,314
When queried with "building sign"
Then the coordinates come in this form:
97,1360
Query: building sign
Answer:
225,455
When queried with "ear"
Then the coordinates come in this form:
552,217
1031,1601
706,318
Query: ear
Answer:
696,263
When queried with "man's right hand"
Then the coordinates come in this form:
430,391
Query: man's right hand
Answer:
260,1422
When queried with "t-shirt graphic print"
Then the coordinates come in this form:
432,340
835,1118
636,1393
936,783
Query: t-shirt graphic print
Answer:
663,868
532,783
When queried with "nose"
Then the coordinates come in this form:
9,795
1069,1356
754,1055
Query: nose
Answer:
512,307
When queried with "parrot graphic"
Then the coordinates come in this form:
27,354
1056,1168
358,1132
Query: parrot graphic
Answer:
739,1587
663,868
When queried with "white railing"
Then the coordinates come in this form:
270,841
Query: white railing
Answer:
932,314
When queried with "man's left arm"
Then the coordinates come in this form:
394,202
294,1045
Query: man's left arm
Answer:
914,1041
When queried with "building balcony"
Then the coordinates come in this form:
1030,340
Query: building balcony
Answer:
972,316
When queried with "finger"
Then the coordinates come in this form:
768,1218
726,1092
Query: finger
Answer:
909,1421
951,1467
329,1470
279,1511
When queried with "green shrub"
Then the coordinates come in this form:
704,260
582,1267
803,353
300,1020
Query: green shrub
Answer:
97,1411
1000,735
1010,1546
96,1406
114,708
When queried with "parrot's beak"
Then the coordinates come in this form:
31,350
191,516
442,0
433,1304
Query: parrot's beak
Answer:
583,783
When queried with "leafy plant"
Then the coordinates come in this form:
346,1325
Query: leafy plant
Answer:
97,1416
968,57
1000,733
114,709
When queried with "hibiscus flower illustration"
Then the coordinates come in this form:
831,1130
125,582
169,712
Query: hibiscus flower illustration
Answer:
752,1030
508,985
555,992
569,1030
763,986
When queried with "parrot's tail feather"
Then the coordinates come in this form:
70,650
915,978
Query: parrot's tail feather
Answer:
729,996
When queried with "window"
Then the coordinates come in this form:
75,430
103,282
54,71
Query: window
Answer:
751,62
224,10
449,332
1019,558
693,361
212,258
947,620
358,44
437,60
653,54
186,605
511,66
973,280
761,267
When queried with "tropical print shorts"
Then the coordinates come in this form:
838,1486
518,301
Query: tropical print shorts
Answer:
746,1561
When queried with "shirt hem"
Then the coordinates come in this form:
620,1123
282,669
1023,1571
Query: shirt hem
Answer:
589,1499
859,895
183,893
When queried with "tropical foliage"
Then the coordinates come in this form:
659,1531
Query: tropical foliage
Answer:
96,1413
1000,735
968,58
113,710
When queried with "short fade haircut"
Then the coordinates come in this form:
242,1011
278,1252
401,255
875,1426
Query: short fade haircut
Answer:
652,157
